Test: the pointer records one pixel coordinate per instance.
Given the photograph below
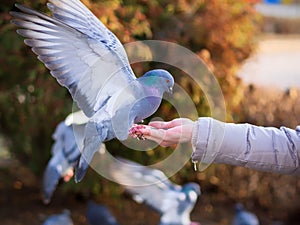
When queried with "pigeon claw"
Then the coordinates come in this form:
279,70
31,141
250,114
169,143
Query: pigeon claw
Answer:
136,133
140,137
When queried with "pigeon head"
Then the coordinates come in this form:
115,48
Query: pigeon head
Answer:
239,207
192,190
66,212
242,216
161,78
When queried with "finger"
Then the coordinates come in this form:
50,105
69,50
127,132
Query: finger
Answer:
157,124
154,133
161,124
164,138
160,141
166,125
145,130
178,122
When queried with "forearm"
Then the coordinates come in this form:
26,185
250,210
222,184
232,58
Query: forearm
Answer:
259,148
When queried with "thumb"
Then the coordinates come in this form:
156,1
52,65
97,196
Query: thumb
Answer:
161,124
166,125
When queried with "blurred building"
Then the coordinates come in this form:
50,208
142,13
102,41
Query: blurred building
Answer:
276,62
281,1
288,9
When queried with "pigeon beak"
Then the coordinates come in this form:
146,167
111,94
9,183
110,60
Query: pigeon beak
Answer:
169,92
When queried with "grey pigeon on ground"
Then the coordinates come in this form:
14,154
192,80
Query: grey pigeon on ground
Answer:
244,217
151,186
59,219
99,214
65,152
89,60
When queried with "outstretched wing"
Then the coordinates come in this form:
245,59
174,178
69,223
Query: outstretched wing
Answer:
81,53
146,185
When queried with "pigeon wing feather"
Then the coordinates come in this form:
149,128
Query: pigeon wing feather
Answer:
147,185
81,53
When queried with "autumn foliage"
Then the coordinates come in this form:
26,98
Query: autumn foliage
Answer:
32,103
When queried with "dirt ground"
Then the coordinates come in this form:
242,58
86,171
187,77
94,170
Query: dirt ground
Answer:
21,204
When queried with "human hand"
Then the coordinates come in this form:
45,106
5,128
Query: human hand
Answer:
165,133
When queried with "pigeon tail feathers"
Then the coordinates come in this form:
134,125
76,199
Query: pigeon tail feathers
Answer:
94,136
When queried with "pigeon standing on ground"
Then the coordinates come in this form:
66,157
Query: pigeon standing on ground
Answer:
99,214
60,219
243,217
89,60
152,187
65,152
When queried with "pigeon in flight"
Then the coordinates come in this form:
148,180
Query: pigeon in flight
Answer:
151,186
65,152
89,60
244,217
99,214
60,219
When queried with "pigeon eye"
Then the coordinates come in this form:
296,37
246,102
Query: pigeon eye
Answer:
168,81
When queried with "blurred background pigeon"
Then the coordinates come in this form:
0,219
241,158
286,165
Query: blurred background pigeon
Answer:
60,219
89,60
152,187
68,139
99,214
244,217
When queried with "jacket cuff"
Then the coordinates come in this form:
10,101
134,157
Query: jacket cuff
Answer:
200,138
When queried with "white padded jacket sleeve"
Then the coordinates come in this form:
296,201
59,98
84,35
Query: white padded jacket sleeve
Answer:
260,148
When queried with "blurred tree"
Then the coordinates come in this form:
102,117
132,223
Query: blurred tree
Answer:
221,32
27,96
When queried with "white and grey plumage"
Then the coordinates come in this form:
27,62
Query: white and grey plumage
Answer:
244,217
59,219
152,187
99,214
88,59
65,152
68,139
